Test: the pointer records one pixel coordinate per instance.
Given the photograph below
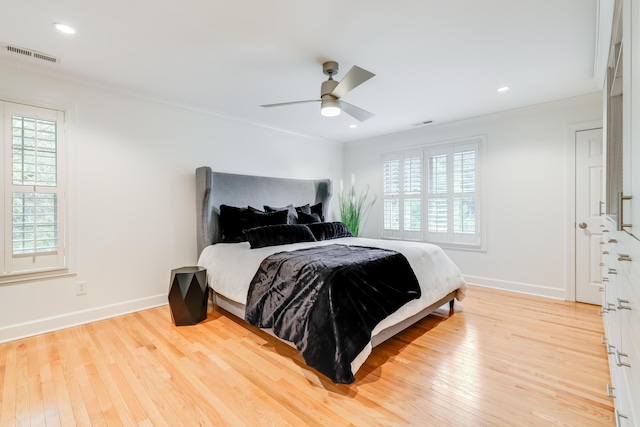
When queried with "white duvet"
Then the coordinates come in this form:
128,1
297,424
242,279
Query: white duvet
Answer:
231,267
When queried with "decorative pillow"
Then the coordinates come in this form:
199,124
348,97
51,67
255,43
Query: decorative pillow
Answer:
317,209
329,230
304,208
233,220
307,218
293,216
273,235
271,218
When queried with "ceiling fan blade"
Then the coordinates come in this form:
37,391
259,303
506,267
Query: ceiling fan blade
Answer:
289,103
354,78
356,112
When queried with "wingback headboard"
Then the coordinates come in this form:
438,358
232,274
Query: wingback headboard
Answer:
215,188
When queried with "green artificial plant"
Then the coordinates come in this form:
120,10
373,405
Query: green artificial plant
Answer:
354,207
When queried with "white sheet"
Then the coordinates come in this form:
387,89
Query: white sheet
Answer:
231,267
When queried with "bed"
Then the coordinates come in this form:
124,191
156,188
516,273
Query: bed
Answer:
231,267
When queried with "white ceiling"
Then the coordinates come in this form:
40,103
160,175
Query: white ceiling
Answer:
439,60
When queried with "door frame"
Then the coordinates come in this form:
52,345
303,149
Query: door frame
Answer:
570,225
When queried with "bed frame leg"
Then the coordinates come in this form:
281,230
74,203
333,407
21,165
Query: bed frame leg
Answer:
451,311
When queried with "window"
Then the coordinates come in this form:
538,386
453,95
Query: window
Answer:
34,190
432,194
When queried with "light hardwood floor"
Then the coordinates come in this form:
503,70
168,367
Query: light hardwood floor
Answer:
501,359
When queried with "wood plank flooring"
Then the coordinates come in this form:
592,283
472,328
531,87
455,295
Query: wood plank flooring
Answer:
503,359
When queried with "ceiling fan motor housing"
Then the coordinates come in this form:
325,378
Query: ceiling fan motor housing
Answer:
328,87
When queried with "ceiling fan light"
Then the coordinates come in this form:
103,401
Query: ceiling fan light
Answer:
330,108
330,111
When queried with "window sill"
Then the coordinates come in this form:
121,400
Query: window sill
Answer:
16,278
464,248
449,246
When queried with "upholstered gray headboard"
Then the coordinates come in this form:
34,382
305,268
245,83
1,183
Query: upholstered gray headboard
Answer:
215,188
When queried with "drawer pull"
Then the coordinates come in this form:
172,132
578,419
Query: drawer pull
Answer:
613,271
605,279
601,289
618,416
602,264
613,241
621,223
602,311
603,340
611,349
624,257
611,306
610,390
605,252
623,304
602,243
619,357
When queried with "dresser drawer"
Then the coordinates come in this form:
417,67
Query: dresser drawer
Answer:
627,366
621,317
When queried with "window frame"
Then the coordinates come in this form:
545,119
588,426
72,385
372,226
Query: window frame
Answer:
32,266
450,239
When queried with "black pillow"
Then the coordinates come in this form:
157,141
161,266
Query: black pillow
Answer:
273,235
293,216
329,230
271,218
307,218
233,220
304,208
317,209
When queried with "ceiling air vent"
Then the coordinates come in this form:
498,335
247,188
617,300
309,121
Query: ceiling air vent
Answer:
425,122
29,53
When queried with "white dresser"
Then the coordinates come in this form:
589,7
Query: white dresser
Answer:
621,236
621,314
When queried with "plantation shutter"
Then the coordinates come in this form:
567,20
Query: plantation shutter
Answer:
452,197
34,189
402,195
391,195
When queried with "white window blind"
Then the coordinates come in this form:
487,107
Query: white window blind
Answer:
391,193
34,189
447,211
452,198
402,194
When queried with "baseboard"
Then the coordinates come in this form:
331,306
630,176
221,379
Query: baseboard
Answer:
523,288
67,320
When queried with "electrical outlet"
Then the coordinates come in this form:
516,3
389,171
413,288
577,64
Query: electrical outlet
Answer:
81,288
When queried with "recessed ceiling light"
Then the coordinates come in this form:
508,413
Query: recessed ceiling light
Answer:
64,28
424,122
353,126
503,88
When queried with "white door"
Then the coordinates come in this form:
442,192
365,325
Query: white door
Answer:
588,221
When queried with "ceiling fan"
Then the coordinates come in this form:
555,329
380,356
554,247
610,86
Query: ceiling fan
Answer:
332,91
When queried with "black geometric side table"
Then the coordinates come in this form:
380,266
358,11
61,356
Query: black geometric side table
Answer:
188,295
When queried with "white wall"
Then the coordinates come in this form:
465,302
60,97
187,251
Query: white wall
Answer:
525,191
132,196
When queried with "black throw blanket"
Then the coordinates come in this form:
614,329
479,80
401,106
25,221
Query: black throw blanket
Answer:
328,299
